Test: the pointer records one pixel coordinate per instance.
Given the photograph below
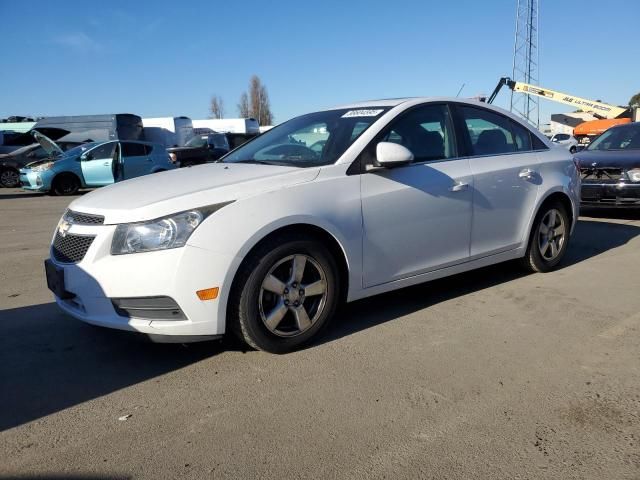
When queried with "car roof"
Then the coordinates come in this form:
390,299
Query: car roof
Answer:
394,102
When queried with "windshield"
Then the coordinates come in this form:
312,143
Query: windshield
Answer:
79,150
619,138
197,141
310,140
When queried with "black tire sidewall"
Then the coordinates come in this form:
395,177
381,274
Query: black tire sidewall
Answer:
248,311
58,182
16,184
535,257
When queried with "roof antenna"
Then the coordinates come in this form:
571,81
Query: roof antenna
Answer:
458,94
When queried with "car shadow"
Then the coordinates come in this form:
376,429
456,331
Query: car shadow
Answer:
49,361
590,238
13,196
618,213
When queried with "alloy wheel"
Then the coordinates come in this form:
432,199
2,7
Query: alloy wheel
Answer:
552,234
293,295
9,178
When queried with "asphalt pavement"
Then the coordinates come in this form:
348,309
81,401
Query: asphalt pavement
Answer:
490,374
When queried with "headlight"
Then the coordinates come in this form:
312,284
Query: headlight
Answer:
173,157
634,175
42,167
161,234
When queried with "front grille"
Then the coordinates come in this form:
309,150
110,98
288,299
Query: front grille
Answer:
602,175
84,218
70,248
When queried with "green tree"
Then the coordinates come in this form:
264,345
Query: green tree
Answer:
635,100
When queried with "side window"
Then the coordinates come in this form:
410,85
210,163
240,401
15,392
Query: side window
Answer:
130,149
426,131
148,149
522,136
489,132
102,151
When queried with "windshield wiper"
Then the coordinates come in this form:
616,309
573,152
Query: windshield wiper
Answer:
256,162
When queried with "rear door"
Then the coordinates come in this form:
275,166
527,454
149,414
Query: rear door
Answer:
135,161
505,178
96,165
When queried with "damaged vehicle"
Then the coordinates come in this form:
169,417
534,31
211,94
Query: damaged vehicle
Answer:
11,163
610,168
90,165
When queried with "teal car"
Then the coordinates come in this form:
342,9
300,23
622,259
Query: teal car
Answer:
91,165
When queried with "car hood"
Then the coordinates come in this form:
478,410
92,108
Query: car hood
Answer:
608,158
159,194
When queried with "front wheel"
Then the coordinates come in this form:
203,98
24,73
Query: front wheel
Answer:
284,295
65,185
549,238
9,178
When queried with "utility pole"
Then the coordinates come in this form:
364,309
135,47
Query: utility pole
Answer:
526,59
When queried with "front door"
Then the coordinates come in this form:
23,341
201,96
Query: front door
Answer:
505,179
416,218
96,165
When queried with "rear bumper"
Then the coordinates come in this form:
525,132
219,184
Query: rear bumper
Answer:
610,195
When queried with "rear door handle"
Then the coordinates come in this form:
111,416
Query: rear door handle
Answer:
459,187
527,174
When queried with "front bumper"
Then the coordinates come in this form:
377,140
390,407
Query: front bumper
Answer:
35,181
99,279
610,194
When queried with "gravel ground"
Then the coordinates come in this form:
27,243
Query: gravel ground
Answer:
489,374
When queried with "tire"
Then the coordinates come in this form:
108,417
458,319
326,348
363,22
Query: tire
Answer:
548,245
9,178
65,185
573,150
268,309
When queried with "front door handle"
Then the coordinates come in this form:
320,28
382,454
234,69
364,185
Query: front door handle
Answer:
527,174
106,164
459,187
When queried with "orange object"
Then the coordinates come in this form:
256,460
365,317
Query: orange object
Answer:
208,293
596,127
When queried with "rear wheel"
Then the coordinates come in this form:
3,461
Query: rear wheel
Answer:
549,238
573,149
9,178
65,185
284,295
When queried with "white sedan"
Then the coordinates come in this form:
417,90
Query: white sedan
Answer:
267,242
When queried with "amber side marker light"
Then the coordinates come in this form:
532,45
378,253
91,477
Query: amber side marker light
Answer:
208,293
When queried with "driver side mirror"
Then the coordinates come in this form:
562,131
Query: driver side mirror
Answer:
390,155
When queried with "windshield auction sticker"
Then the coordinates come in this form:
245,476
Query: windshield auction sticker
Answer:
362,113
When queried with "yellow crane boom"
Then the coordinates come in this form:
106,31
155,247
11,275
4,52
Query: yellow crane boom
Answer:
599,109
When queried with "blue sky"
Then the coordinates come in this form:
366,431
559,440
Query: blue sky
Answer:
167,58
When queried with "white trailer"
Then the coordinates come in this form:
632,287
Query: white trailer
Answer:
228,125
168,131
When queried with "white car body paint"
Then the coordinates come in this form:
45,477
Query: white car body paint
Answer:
380,220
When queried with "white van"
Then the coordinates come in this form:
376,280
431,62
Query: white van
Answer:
168,131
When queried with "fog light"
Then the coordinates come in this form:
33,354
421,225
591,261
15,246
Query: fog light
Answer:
208,293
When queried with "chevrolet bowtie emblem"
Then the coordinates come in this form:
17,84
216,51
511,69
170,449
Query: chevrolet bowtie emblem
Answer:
63,227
